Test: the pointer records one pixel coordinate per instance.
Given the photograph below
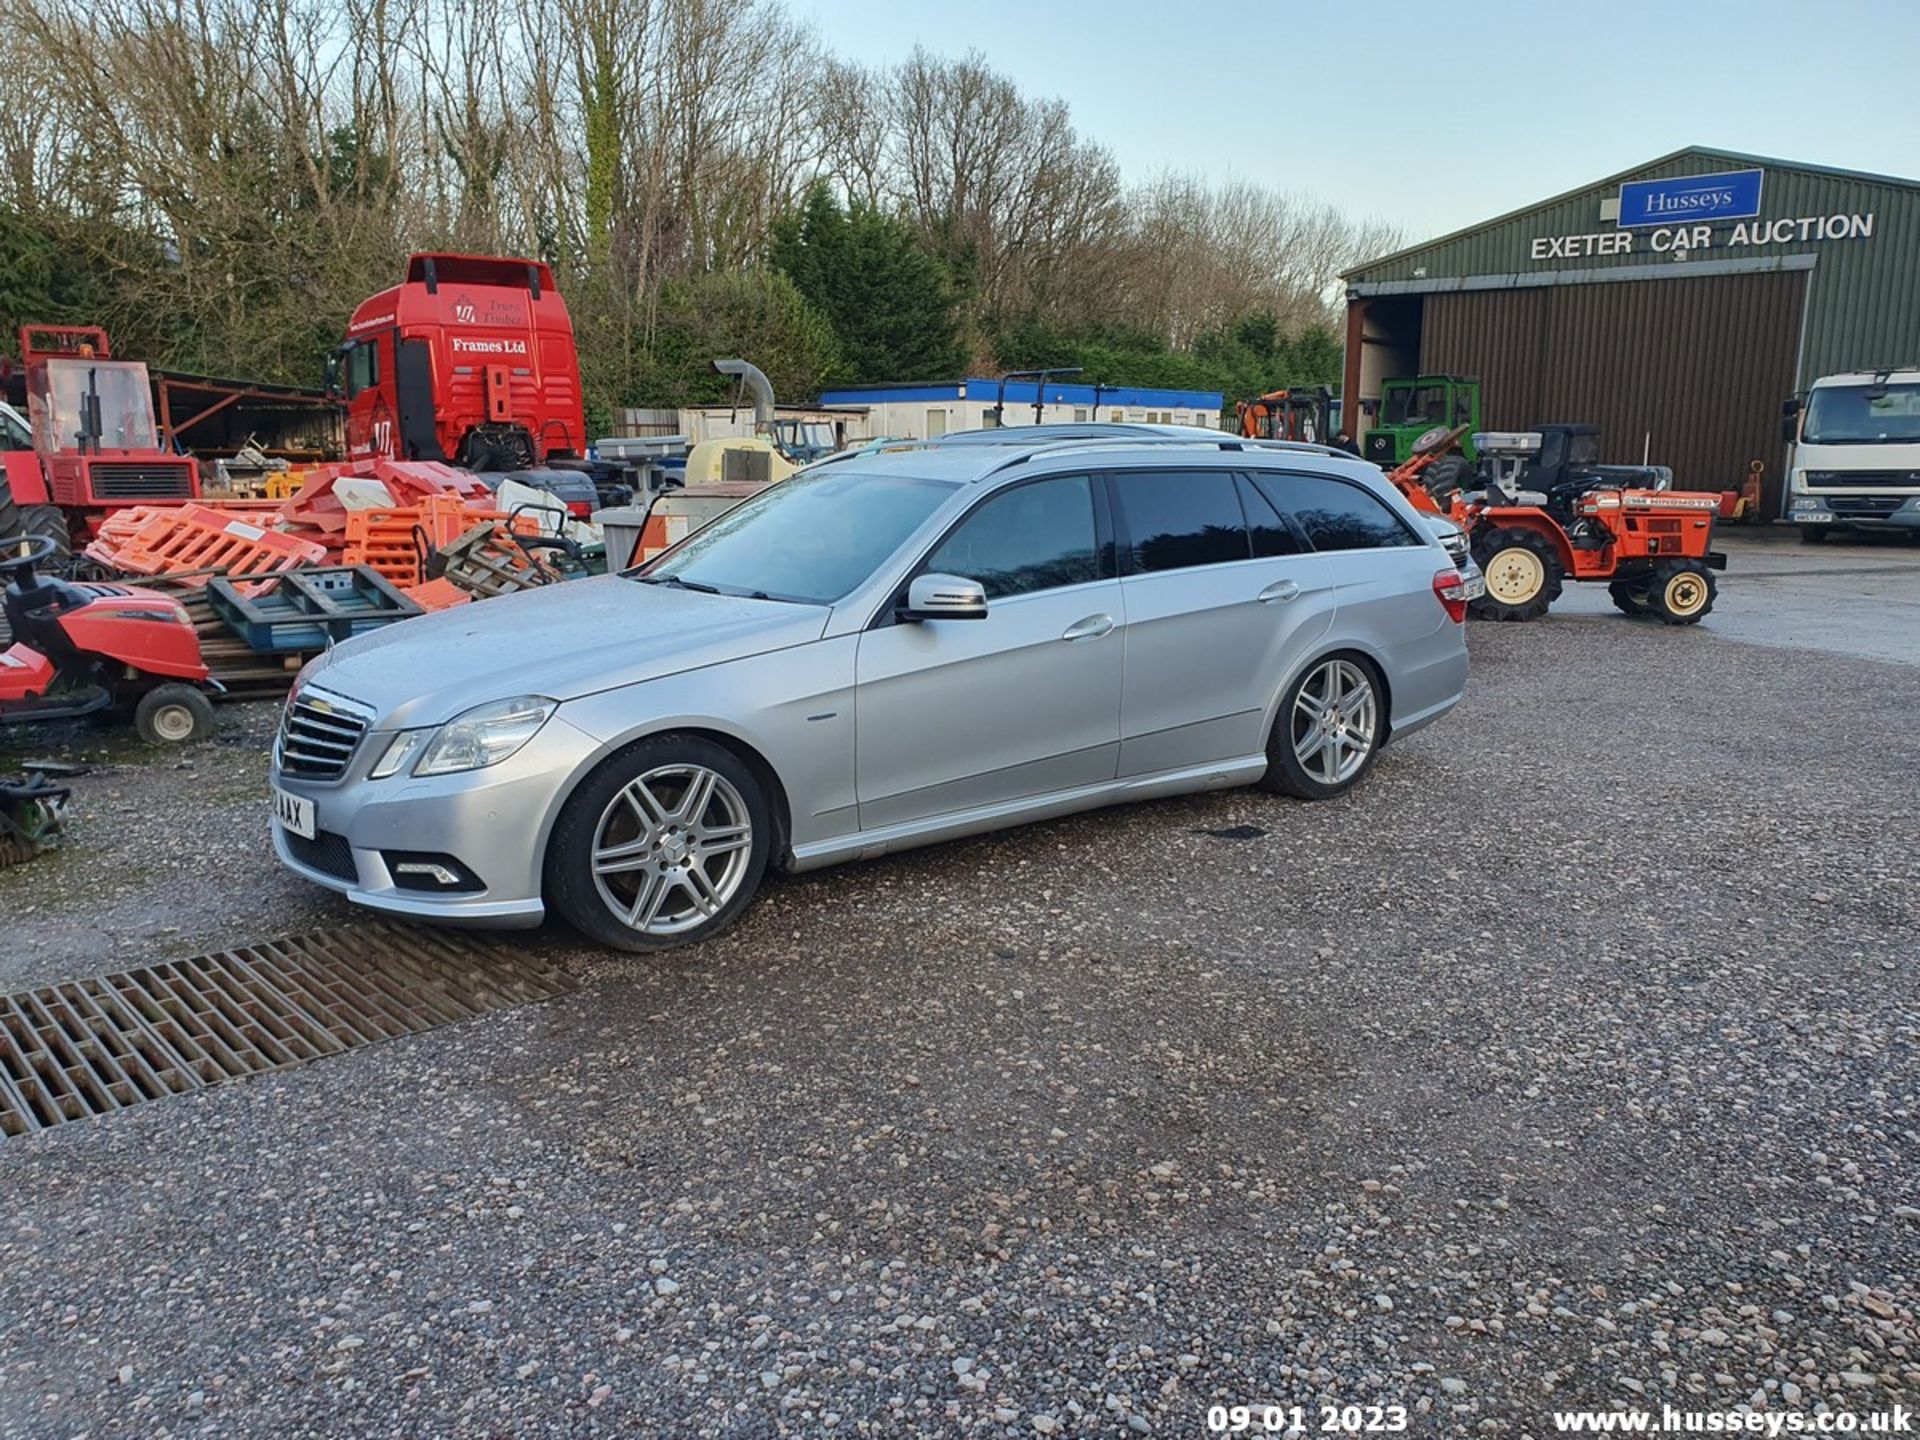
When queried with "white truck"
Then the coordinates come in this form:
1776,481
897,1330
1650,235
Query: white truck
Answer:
1856,454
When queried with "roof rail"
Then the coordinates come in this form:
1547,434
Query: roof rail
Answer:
1128,442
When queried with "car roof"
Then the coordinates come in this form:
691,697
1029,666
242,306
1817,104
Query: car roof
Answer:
972,461
1070,430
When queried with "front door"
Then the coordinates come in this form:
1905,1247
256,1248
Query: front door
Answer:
953,715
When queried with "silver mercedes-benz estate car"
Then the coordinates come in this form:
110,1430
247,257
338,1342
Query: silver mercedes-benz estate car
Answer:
881,651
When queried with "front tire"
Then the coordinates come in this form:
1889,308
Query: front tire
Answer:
1523,573
173,715
663,845
1682,593
1814,534
1328,732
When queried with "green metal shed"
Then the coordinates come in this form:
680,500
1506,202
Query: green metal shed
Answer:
1675,304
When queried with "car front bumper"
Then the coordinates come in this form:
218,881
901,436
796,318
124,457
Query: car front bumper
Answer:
493,822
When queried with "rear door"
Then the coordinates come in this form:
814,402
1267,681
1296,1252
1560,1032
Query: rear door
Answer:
956,714
1383,570
1222,601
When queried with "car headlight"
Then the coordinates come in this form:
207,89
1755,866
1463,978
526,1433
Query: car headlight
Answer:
483,736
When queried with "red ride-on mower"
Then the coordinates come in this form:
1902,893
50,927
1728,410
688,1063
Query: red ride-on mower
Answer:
82,649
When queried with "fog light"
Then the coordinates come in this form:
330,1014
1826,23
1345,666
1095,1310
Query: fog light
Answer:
425,870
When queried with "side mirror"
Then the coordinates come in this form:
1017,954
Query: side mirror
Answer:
1790,418
944,597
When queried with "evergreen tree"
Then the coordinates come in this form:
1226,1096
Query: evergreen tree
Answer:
889,301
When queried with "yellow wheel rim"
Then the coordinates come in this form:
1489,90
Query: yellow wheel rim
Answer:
1686,594
1515,576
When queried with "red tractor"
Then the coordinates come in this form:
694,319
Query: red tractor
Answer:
95,447
1653,549
82,649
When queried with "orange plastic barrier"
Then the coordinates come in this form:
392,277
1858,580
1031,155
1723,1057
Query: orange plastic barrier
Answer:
441,594
393,541
407,481
167,540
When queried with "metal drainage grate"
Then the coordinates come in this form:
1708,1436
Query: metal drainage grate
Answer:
89,1047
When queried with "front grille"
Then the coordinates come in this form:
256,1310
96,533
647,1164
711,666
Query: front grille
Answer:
141,480
1843,479
317,741
1864,504
326,852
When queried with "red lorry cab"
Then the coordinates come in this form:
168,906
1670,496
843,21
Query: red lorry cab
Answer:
470,360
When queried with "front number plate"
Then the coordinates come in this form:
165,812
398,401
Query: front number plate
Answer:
1475,586
295,813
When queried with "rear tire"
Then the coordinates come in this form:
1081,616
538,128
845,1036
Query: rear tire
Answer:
638,861
1630,596
173,715
1682,593
49,521
1523,573
1312,757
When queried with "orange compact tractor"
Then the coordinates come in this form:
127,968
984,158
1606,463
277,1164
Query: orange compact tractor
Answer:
1652,548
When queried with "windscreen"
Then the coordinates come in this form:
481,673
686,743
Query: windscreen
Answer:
57,399
1862,415
813,538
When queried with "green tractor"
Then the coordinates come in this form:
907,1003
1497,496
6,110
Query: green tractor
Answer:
1414,404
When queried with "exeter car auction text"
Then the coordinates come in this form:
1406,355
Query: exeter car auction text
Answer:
1700,237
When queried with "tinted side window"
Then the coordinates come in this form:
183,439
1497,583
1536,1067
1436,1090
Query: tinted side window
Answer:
1176,519
1336,515
1271,534
1032,537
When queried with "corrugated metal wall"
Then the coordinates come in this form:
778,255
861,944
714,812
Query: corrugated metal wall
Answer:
1693,370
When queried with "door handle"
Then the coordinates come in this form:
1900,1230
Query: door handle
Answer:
1279,590
1091,628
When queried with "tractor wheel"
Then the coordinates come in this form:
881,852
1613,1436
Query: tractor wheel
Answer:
1446,475
173,715
1523,573
1682,593
1630,597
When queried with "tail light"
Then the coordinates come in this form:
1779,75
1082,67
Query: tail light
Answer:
1451,591
579,509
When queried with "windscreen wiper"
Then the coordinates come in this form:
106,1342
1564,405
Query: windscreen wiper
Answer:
677,581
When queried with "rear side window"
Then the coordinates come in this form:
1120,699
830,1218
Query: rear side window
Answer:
1335,514
1032,537
1174,520
1271,535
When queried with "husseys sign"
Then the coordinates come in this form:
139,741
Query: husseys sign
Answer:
1688,213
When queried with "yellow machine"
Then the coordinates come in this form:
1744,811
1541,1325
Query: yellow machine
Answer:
737,459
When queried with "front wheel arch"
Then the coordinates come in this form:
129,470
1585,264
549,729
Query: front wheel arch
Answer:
761,768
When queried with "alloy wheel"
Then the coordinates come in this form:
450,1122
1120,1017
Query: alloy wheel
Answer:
671,849
1335,715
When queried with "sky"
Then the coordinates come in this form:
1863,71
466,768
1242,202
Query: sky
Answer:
1436,115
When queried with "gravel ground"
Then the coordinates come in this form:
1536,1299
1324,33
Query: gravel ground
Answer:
1571,1062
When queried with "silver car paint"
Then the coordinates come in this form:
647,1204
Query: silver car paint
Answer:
629,660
